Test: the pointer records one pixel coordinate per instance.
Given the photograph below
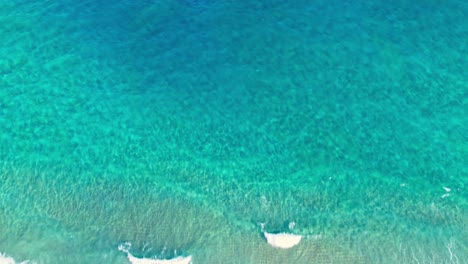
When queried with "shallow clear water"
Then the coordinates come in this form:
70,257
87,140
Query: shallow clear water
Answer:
182,126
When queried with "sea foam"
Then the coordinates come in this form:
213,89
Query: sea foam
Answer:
282,240
4,259
135,260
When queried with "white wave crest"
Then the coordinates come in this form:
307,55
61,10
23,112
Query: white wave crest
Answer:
134,260
282,240
4,259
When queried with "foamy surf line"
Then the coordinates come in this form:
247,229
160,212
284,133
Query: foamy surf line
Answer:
282,240
134,260
4,259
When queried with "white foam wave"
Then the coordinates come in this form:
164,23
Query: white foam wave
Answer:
4,259
282,240
134,260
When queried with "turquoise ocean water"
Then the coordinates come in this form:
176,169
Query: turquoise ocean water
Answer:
182,126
